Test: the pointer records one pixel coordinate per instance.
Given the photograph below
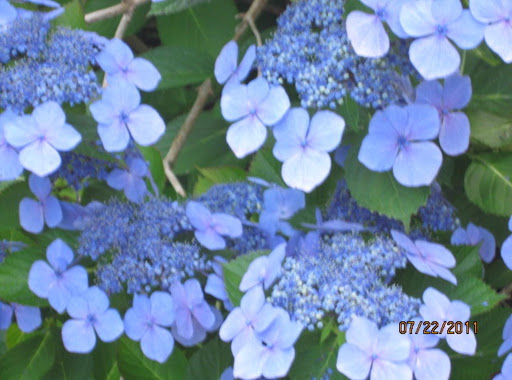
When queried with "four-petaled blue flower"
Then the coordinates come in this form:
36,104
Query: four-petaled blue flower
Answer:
33,214
456,93
366,32
252,106
474,235
90,313
437,307
227,69
383,352
209,227
264,270
120,115
10,167
145,321
303,146
398,138
57,282
433,22
131,180
40,136
279,205
28,318
429,258
117,60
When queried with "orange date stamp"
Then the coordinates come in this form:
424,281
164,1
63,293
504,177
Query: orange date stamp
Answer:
435,327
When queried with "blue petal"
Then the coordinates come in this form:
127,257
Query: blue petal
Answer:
462,343
378,151
255,273
115,137
210,239
7,13
246,63
183,322
117,179
59,296
274,106
446,11
28,318
78,307
418,164
234,102
10,167
252,302
277,363
40,186
457,91
353,362
143,74
416,18
120,52
248,361
40,278
78,336
40,158
233,325
454,133
31,215
499,38
109,325
162,308
367,35
434,57
306,170
246,136
63,138
430,92
325,131
76,280
136,317
466,32
383,370
20,131
137,166
459,237
488,10
226,62
52,212
5,316
49,116
135,189
424,122
198,215
59,254
157,344
506,252
227,225
488,248
97,300
103,112
391,345
294,125
215,287
146,125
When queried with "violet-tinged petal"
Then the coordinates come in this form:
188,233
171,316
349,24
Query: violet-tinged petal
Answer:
235,103
432,364
48,116
183,321
504,348
487,11
59,296
21,131
307,170
40,186
63,138
109,325
418,164
40,158
277,363
423,122
215,286
498,37
134,324
204,315
145,125
506,252
78,336
157,344
120,56
367,34
488,249
462,343
391,345
430,92
454,133
59,254
40,278
246,64
31,215
76,280
210,239
115,136
445,274
446,11
325,131
436,304
252,302
198,335
248,361
227,225
233,325
416,18
117,179
226,62
362,333
5,316
255,273
274,106
393,9
28,318
97,300
378,151
436,253
52,212
405,242
457,92
162,308
10,168
135,189
353,362
383,370
434,57
103,111
246,136
466,32
143,74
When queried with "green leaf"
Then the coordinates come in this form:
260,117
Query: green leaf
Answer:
350,112
380,192
153,156
235,270
266,167
70,366
10,199
29,360
14,275
105,364
497,274
468,261
173,6
213,176
133,365
210,361
206,27
180,66
488,183
73,16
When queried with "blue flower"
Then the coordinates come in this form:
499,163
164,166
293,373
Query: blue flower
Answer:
226,65
57,282
280,205
506,248
7,13
120,115
383,352
507,337
498,34
252,106
117,60
398,138
40,137
215,285
28,318
432,23
272,353
47,208
131,180
366,32
437,307
90,313
456,93
474,235
303,146
209,227
264,270
10,167
506,369
145,321
429,258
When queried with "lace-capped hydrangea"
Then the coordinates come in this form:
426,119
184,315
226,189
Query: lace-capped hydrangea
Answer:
311,49
310,292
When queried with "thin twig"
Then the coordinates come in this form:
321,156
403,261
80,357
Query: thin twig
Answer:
175,182
115,10
252,14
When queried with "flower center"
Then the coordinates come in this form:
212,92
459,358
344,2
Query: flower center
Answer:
402,142
91,319
124,117
381,14
441,30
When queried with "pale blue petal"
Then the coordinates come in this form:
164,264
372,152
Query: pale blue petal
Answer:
432,365
459,237
59,296
215,286
504,348
466,32
444,273
457,91
507,366
277,363
31,215
248,361
424,122
204,315
135,189
40,158
7,13
103,112
146,125
391,345
367,35
162,308
115,136
120,51
462,343
421,264
143,74
5,316
109,325
252,302
446,11
123,96
246,63
246,136
10,167
210,239
293,126
137,166
20,131
436,253
49,116
40,186
157,344
198,335
405,242
267,316
40,278
306,170
454,134
507,329
234,102
183,322
394,120
194,292
384,370
430,92
499,38
418,164
135,323
117,179
362,333
78,336
506,252
76,280
378,151
59,254
63,138
77,307
274,106
353,362
198,215
227,225
434,57
97,300
436,305
28,318
393,9
227,374
255,273
233,325
225,64
488,248
487,10
52,212
416,18
325,131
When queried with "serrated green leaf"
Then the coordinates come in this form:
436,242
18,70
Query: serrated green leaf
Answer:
234,271
133,365
29,360
73,16
381,192
488,183
180,66
210,361
468,261
497,274
10,199
350,112
172,6
153,156
266,167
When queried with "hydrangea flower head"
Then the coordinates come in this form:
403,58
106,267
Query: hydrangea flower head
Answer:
474,235
303,147
264,270
117,60
145,321
33,214
398,138
383,352
131,180
279,205
454,95
366,32
56,281
437,307
429,258
506,369
272,354
506,248
90,313
120,115
252,106
10,167
498,34
227,69
209,227
40,137
28,318
433,23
